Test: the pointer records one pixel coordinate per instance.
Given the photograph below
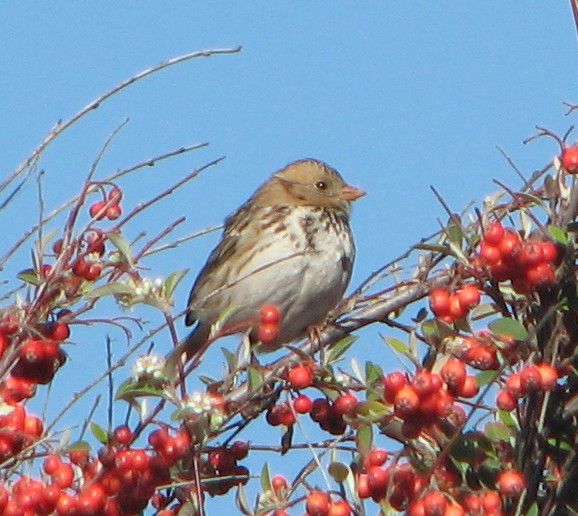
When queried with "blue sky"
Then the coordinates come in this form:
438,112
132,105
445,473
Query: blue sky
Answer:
396,95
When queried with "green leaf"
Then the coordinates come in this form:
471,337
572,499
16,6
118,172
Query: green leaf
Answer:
129,389
558,234
398,345
485,377
364,439
338,471
373,373
265,478
99,433
434,328
374,410
255,378
220,322
442,249
507,327
83,445
242,502
122,245
231,359
454,230
339,348
561,445
111,289
482,311
533,510
508,419
30,276
173,280
498,432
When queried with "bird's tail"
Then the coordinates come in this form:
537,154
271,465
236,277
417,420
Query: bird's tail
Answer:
191,348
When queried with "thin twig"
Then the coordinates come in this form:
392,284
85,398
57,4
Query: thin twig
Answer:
60,127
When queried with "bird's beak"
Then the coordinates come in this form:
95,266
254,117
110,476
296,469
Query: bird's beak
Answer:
350,193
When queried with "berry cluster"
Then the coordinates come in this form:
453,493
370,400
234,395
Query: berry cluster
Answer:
269,324
328,414
531,378
320,503
452,306
398,483
18,429
529,264
38,358
421,400
109,207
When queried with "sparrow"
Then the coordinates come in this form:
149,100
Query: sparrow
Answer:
289,245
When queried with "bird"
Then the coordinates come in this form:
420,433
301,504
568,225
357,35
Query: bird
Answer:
289,245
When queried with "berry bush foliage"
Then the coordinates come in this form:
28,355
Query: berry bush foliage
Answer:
478,417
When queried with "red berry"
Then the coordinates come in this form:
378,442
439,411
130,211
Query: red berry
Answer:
80,267
268,333
505,401
93,272
239,449
97,210
435,503
122,435
59,331
541,275
115,194
63,476
511,483
51,463
530,378
514,385
491,502
376,457
549,376
439,301
453,372
346,404
494,233
363,488
550,252
300,376
270,314
422,383
406,401
569,160
392,383
469,296
339,508
317,503
33,426
378,478
510,244
278,483
302,404
457,310
481,356
490,253
57,246
113,212
320,411
530,254
454,509
470,388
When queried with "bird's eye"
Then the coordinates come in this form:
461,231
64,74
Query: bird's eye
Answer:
321,185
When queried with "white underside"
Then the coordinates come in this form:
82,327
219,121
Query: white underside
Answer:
305,285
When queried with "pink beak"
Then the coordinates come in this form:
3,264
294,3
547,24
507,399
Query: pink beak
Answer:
350,193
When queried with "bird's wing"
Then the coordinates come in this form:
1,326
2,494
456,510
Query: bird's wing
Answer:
236,235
